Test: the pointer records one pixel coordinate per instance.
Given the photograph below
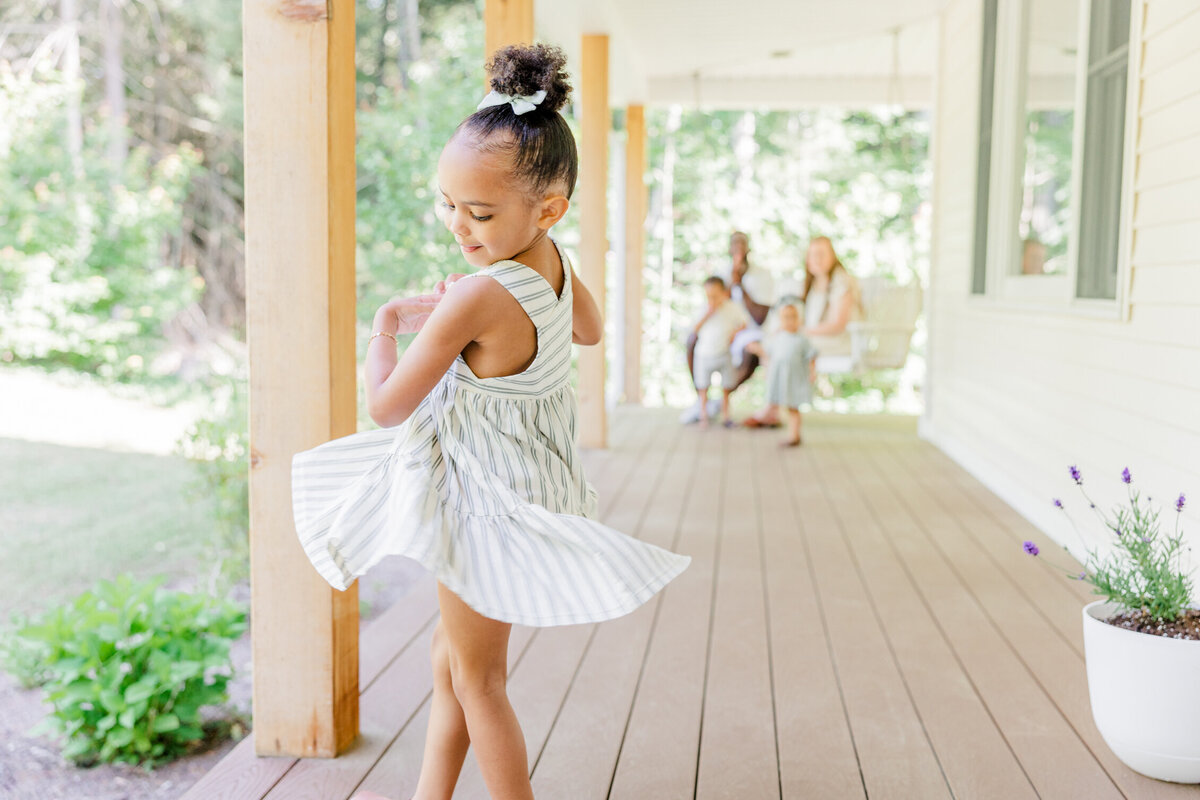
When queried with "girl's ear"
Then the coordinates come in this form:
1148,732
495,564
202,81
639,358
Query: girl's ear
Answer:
552,210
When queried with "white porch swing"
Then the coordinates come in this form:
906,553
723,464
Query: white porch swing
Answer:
881,340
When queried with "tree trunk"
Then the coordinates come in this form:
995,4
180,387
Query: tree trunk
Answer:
70,17
746,188
381,47
114,87
410,38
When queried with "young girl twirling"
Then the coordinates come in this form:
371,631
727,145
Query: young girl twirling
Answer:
476,475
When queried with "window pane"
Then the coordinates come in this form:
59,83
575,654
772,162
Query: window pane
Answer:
1044,224
1103,156
983,165
1109,28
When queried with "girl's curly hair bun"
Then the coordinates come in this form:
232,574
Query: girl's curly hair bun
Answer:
528,69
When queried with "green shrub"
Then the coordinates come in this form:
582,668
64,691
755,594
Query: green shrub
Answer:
128,667
24,659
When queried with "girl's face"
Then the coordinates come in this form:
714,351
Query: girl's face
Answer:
491,218
820,258
789,318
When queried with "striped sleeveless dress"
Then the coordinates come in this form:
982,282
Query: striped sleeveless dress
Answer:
484,487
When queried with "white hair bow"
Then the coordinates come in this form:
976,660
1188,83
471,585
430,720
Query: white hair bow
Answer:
520,103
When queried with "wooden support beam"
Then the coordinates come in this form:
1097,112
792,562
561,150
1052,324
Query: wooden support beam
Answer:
300,295
506,22
593,236
635,247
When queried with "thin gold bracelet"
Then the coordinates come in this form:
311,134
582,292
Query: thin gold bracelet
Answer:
382,333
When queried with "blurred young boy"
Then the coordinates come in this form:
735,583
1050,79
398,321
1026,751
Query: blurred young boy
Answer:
715,329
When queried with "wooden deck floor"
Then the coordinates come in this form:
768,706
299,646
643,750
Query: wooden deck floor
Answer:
858,620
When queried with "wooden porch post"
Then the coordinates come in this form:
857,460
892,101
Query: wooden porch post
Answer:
593,238
635,246
300,293
506,22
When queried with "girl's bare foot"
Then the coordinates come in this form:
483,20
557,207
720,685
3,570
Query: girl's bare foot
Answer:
790,442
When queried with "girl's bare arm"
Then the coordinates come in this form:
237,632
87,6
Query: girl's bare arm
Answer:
587,324
396,388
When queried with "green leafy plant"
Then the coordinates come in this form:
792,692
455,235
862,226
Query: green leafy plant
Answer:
128,666
1143,570
24,659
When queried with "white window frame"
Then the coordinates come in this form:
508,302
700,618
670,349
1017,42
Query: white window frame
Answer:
1051,292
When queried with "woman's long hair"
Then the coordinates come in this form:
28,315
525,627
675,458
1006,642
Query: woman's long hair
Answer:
837,264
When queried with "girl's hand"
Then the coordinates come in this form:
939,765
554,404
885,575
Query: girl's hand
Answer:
443,285
406,314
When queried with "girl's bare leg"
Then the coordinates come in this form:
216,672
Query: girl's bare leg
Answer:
702,394
479,675
446,738
793,415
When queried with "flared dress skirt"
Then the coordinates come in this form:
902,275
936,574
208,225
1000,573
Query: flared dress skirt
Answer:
484,487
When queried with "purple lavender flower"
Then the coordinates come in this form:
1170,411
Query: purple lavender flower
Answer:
1118,531
1125,476
1057,503
1075,474
1179,502
1031,548
1083,576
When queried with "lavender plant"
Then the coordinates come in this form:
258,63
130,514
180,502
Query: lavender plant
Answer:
1144,570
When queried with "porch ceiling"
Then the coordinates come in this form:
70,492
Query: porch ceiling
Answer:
756,53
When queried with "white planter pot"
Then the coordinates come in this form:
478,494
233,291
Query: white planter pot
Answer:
1145,692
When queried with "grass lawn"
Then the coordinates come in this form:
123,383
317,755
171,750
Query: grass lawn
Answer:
70,516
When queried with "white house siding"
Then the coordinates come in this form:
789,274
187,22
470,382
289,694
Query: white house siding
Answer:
1016,394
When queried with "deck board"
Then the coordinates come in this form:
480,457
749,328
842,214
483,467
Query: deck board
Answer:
973,754
816,751
858,621
579,759
658,758
738,753
896,758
